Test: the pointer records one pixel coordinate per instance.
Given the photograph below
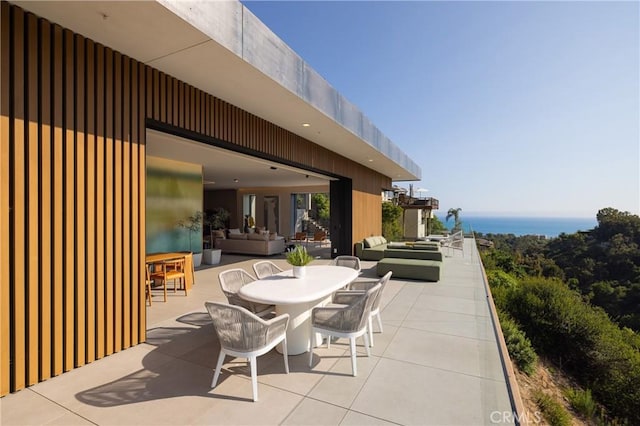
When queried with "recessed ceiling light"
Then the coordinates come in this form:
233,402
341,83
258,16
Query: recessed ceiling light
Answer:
236,180
273,168
306,125
370,160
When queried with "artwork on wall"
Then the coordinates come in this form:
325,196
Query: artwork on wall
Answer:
174,194
272,213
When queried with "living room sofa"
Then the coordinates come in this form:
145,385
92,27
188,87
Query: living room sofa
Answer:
260,244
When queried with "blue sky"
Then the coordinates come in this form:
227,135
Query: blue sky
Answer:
511,108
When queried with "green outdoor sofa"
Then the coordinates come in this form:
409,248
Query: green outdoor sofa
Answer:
372,248
414,254
417,269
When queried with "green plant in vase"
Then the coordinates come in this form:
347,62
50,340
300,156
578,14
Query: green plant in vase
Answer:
299,258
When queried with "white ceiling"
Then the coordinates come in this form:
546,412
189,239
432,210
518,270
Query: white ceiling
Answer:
221,167
151,33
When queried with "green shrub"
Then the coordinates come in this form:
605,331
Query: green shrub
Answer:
519,347
552,410
498,278
583,340
582,402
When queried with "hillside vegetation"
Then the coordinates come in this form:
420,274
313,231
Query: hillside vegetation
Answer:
576,299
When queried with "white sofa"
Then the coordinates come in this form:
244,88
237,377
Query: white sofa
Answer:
254,244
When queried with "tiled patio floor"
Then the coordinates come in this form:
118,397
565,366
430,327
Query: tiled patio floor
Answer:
437,363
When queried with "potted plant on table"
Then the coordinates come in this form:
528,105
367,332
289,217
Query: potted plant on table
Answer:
193,224
299,258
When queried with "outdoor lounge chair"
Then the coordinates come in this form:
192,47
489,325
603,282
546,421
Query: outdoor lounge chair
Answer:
454,241
245,335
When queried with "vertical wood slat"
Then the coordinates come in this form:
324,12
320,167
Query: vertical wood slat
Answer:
19,205
79,204
69,207
141,144
6,257
58,218
127,266
137,308
117,204
108,203
46,189
100,203
33,203
89,205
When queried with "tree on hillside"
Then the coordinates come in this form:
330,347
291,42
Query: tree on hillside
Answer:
391,226
455,214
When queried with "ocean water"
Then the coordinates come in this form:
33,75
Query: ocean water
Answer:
547,226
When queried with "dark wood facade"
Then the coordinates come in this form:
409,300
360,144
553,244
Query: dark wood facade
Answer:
73,115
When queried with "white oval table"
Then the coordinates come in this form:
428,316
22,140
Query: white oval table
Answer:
297,296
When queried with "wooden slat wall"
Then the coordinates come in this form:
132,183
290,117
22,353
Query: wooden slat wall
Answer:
72,182
72,190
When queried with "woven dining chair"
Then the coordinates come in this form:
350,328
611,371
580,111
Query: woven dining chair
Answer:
265,268
243,334
361,287
349,320
352,262
231,281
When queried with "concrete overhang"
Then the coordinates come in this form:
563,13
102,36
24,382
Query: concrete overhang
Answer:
223,49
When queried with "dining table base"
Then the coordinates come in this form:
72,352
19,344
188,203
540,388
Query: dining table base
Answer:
299,328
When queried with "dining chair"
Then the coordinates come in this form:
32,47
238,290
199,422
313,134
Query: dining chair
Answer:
147,283
233,280
243,334
300,237
174,270
352,262
319,237
157,274
348,319
265,268
361,287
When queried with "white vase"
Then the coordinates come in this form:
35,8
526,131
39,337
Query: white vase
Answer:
299,271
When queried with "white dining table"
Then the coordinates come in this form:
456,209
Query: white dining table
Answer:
298,296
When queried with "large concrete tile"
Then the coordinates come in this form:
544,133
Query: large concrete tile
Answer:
468,292
28,407
338,386
301,379
137,362
312,412
474,357
354,418
410,394
397,308
452,304
231,406
451,323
